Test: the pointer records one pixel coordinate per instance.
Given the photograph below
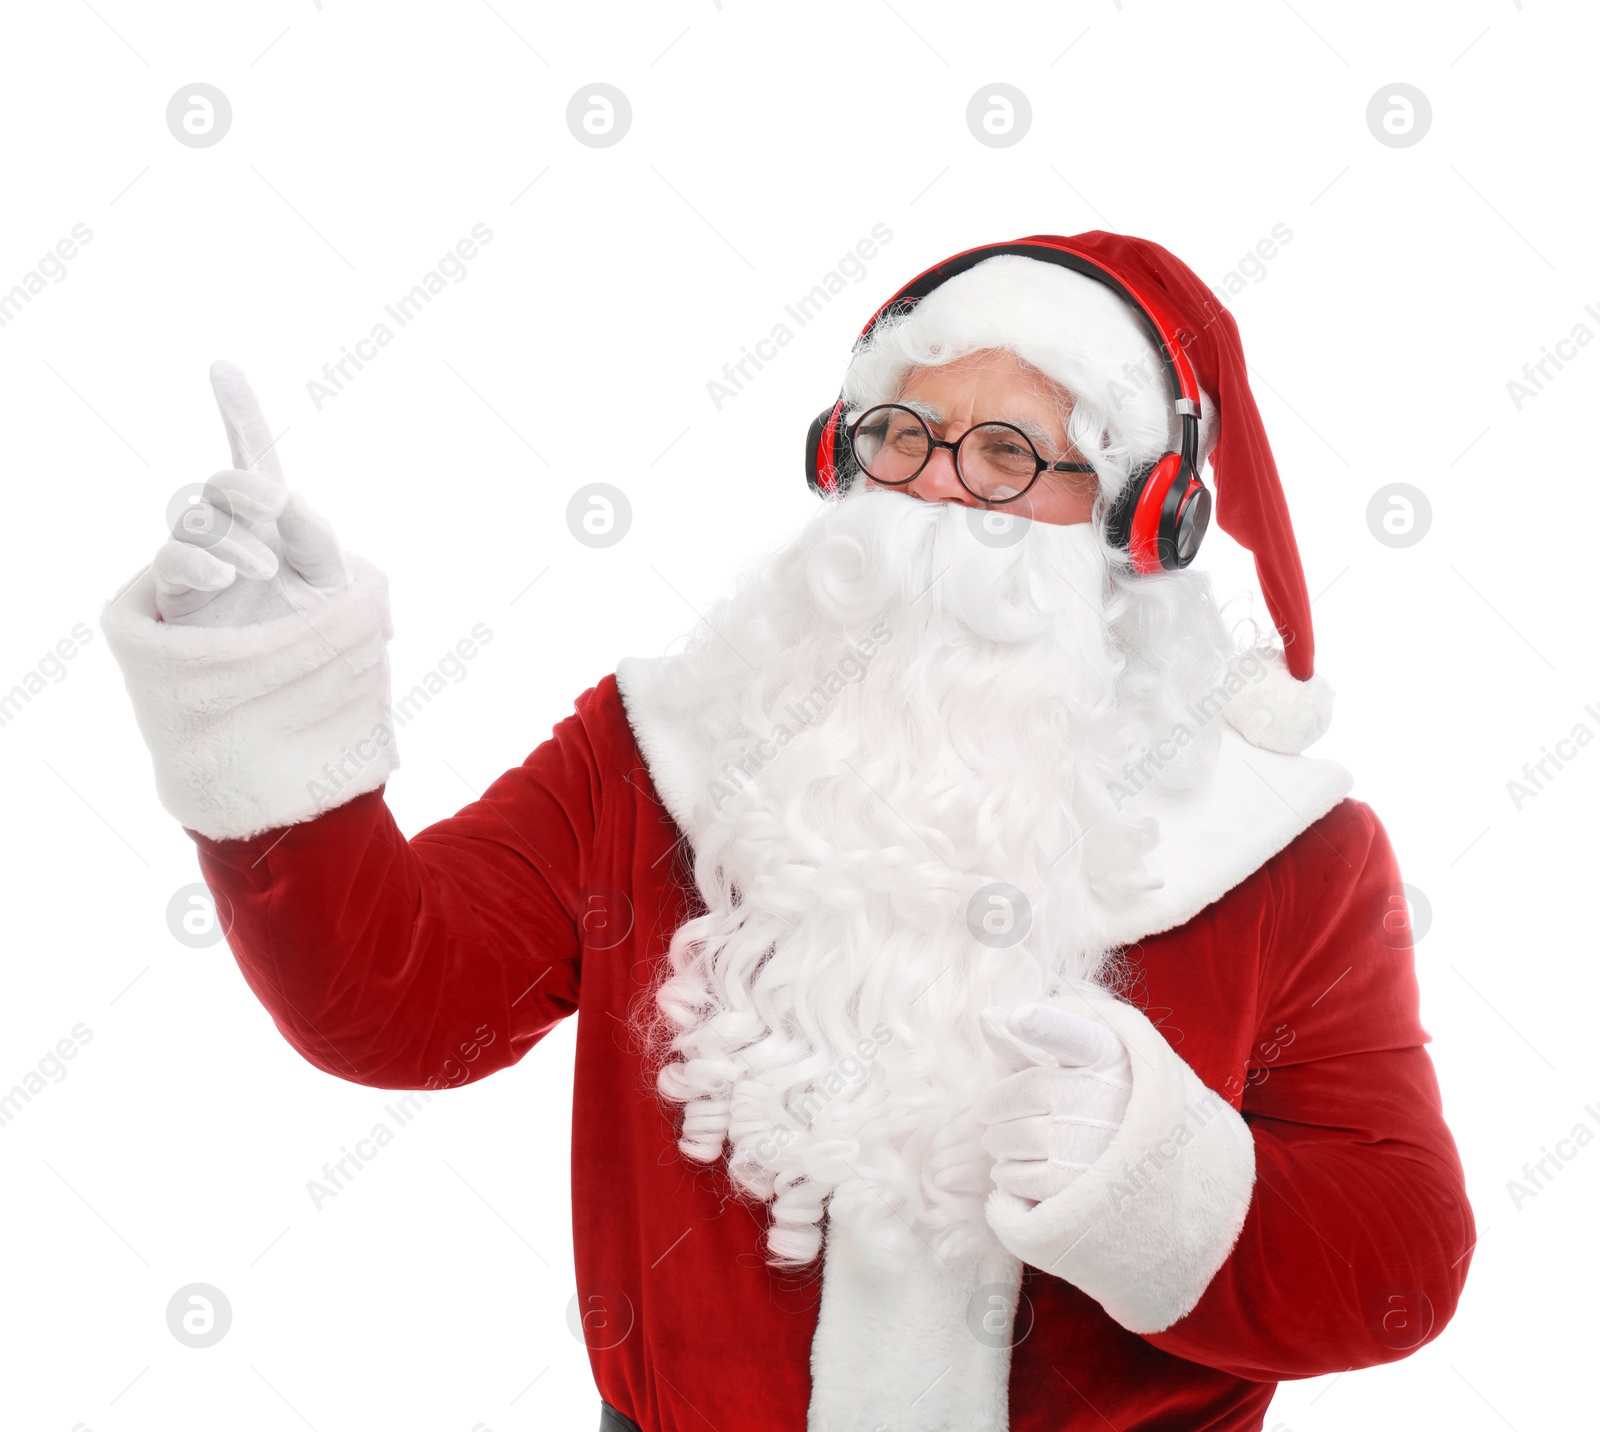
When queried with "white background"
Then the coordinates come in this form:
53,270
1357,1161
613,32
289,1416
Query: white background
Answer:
766,140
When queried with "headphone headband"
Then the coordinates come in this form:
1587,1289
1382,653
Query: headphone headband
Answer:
1169,341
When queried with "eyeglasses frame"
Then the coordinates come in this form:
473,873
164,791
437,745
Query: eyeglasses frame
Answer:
1041,465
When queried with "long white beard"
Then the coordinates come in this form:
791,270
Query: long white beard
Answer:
907,711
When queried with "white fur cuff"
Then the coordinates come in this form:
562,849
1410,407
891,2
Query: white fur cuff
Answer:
1145,1228
259,726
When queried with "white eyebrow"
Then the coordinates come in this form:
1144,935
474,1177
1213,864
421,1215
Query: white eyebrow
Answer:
1032,429
932,415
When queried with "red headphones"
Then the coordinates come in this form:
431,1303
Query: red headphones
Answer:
1163,509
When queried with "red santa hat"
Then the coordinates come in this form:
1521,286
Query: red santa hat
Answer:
1080,333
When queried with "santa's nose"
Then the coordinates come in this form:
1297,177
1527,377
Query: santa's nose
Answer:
937,482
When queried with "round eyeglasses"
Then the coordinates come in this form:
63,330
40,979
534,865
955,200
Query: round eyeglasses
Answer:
996,462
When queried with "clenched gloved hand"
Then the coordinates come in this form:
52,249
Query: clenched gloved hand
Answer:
1054,1117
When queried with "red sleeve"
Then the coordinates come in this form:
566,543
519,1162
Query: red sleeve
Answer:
430,962
1356,1245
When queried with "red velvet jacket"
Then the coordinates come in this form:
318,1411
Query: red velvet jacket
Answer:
435,961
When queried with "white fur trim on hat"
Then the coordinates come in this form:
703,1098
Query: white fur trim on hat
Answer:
259,726
1277,711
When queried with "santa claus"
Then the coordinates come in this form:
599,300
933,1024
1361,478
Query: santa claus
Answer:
996,1018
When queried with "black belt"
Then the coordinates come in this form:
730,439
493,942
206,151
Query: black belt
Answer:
613,1421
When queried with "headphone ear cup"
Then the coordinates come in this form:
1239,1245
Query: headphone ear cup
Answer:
1160,516
1119,521
1190,523
830,465
813,446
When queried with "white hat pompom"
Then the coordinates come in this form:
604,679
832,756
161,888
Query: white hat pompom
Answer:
1277,711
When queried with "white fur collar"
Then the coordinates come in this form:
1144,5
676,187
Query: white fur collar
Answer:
927,1348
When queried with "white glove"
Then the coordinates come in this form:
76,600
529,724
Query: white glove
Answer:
254,650
1048,1122
249,549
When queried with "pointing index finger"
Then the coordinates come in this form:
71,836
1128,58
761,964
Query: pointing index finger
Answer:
250,440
